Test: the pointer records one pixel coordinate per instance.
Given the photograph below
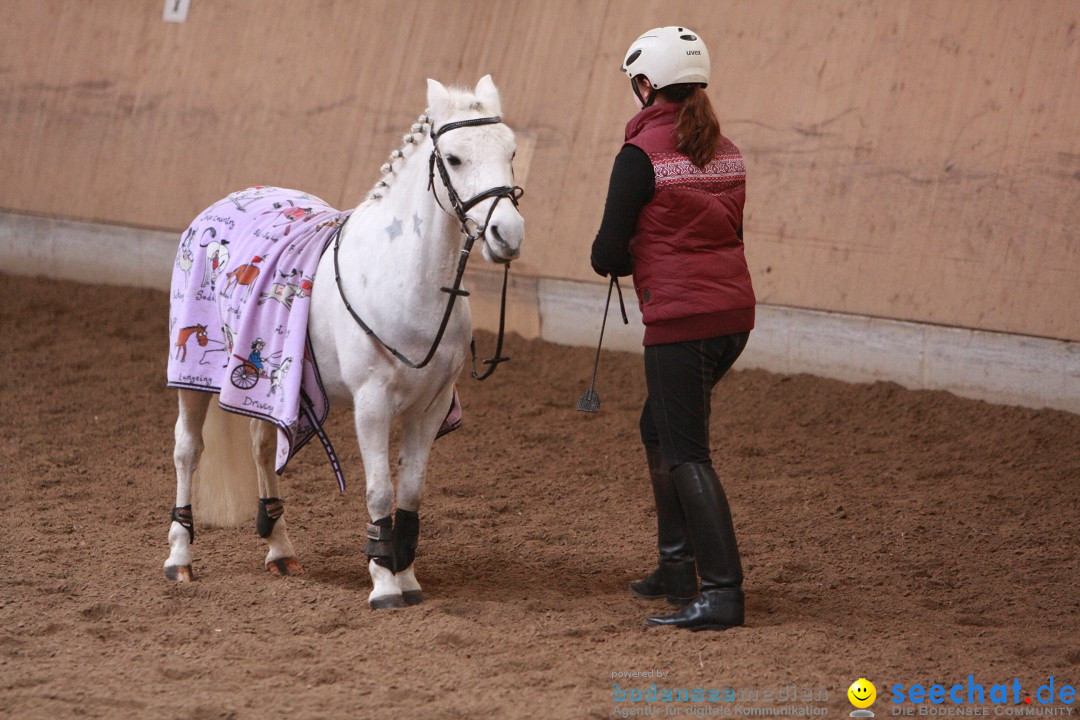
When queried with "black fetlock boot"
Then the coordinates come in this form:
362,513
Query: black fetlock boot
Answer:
270,509
380,542
708,518
674,576
406,537
380,548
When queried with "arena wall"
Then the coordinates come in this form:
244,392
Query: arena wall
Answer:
914,165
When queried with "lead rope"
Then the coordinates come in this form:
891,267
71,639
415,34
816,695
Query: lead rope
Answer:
498,357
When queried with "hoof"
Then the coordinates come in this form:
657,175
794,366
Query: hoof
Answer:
179,573
413,597
387,602
285,566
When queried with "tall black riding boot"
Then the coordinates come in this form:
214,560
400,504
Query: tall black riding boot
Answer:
708,517
674,576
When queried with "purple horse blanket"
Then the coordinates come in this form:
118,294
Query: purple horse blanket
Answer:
241,289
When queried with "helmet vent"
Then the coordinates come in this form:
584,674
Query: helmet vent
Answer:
688,37
632,57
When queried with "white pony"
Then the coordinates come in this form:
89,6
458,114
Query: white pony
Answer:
397,251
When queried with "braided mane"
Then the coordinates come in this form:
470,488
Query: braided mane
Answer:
461,99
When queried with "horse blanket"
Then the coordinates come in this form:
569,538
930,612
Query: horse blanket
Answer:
241,289
240,296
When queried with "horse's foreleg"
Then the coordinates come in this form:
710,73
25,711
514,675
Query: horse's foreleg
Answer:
270,522
373,434
419,433
189,445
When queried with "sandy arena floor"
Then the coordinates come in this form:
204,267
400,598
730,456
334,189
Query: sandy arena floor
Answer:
905,537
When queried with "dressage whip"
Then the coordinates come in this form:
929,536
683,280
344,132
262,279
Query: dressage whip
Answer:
590,401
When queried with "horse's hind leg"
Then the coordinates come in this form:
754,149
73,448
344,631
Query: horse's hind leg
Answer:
270,523
419,433
189,445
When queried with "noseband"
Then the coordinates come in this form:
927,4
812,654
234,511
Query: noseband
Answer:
472,230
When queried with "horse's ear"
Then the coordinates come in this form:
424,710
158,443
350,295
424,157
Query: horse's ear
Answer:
438,97
488,94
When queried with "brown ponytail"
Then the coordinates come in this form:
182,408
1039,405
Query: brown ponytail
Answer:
697,131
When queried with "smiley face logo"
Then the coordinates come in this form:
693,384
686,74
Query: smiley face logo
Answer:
862,693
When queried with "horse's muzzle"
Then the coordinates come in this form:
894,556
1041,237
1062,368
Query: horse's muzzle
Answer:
497,249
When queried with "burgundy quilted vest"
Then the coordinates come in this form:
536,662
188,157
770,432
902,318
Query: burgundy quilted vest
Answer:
689,268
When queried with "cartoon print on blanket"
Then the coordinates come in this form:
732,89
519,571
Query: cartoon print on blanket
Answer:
274,239
261,244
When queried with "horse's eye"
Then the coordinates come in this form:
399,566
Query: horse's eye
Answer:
453,160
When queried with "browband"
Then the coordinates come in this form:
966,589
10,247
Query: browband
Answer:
493,120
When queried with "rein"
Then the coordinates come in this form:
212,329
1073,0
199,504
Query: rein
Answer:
476,232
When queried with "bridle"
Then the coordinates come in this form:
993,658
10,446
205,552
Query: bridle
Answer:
472,232
461,208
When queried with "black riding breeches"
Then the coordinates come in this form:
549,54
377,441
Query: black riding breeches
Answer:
680,378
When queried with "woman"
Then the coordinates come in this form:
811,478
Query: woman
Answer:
673,219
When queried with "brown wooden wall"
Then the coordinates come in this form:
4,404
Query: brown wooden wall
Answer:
913,159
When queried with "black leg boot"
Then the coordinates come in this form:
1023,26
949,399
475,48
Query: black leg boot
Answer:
674,576
708,517
380,548
406,537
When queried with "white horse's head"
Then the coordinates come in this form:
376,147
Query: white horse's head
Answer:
477,159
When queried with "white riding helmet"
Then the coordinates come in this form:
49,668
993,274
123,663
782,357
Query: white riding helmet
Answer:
668,56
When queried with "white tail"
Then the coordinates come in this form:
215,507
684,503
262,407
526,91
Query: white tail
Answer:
225,487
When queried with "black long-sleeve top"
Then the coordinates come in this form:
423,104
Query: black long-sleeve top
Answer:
631,187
